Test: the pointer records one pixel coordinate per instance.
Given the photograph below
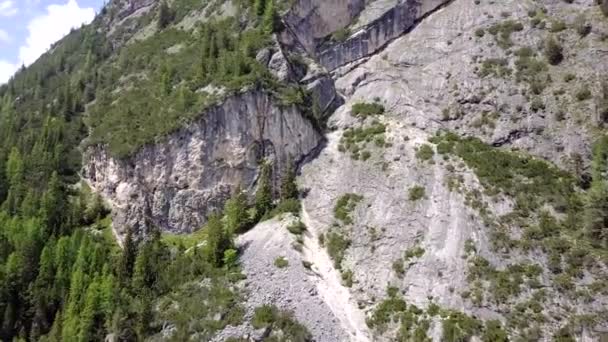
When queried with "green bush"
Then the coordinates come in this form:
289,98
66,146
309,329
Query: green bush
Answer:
399,267
425,152
502,32
291,205
347,277
297,227
416,193
336,245
583,93
264,316
340,35
415,252
281,262
354,140
459,327
553,51
367,109
345,206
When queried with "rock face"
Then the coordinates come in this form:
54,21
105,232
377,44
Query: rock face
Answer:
311,22
392,24
175,184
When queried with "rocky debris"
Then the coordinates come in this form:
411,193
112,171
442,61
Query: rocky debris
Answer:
176,182
292,288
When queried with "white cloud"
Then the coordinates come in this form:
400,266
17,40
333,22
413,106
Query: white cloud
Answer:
52,26
7,8
7,70
4,37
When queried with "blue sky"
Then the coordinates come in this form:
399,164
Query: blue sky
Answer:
29,27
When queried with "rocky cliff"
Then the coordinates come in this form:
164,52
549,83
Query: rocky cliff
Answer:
176,183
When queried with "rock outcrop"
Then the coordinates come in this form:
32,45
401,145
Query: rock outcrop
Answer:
176,183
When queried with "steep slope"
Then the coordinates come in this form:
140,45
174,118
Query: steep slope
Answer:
438,223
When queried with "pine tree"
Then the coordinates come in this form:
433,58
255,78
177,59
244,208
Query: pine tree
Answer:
596,202
259,6
218,241
127,259
270,17
289,188
263,196
165,16
235,210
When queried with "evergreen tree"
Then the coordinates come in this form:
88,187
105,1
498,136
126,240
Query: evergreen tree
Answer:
270,17
127,259
236,218
263,196
259,6
165,16
289,188
218,241
596,201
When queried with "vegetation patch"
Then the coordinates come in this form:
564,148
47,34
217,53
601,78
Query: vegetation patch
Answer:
416,193
425,153
336,245
356,140
363,110
345,206
512,173
281,262
502,32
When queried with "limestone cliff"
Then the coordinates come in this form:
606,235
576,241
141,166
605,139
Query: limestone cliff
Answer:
176,183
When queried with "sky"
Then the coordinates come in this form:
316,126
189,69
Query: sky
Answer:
29,27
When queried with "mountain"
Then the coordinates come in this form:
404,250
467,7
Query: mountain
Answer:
310,170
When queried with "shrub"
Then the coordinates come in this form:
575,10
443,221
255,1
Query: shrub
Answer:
502,32
459,327
416,193
281,262
494,332
582,27
345,206
583,93
553,51
347,278
340,35
297,227
336,245
399,267
415,252
264,316
367,109
425,152
291,205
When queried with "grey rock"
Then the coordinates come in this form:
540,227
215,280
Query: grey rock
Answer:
178,181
